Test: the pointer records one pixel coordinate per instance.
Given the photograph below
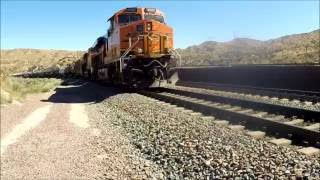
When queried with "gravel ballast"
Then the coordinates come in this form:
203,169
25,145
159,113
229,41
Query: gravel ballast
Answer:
178,145
119,158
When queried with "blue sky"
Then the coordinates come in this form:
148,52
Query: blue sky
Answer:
74,25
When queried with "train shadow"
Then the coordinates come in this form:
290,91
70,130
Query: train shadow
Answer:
82,91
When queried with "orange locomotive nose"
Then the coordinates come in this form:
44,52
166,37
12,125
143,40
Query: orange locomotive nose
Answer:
159,38
154,38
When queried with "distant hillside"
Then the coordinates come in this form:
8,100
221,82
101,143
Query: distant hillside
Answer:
298,48
21,60
292,49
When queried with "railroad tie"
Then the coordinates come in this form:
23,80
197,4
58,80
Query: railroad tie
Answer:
284,100
234,108
214,104
196,114
206,103
189,98
179,108
225,106
166,104
236,127
281,142
221,122
315,127
295,122
246,111
153,100
276,118
308,103
296,101
207,118
260,114
199,101
309,151
187,111
256,134
160,102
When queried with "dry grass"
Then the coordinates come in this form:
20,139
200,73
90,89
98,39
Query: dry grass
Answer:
13,88
28,60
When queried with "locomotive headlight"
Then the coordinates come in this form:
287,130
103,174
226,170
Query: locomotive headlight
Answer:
149,26
139,50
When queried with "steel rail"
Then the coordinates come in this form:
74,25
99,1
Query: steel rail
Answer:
282,93
298,135
288,111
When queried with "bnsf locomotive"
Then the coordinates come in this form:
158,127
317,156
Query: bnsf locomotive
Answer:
137,50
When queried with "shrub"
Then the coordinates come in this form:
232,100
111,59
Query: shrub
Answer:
18,88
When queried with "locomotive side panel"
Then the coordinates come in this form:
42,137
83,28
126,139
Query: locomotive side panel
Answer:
113,51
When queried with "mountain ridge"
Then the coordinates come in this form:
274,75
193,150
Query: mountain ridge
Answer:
301,48
289,49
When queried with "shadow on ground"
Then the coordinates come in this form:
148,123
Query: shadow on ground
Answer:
81,91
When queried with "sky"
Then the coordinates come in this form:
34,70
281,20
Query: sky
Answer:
74,25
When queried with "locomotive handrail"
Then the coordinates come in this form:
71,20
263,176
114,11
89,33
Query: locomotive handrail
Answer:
127,51
175,52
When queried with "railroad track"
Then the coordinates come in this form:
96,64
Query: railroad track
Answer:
259,118
290,94
256,103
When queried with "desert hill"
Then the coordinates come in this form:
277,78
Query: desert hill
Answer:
21,60
291,49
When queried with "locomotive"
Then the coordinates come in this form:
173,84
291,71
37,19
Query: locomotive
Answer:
137,50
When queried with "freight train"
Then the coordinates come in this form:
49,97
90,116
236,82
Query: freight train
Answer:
137,50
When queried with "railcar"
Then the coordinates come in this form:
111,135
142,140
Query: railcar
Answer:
136,50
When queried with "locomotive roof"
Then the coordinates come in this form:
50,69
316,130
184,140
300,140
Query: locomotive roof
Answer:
130,10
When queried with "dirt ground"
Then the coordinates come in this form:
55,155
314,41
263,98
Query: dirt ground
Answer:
53,135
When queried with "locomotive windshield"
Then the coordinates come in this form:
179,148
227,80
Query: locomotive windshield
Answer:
128,18
158,18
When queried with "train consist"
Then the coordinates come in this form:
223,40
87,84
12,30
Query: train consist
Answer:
137,50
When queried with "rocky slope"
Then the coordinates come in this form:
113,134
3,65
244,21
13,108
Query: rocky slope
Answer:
292,49
20,60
